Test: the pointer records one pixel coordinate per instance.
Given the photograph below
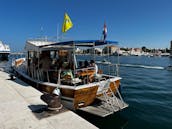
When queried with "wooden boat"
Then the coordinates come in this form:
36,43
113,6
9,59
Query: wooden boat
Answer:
52,65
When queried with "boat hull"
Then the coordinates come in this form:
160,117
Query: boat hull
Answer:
4,56
72,97
77,97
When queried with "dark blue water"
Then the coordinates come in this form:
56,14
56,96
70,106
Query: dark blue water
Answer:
147,88
148,92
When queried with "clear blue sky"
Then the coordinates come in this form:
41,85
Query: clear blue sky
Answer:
134,23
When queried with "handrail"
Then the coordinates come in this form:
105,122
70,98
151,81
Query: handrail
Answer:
85,68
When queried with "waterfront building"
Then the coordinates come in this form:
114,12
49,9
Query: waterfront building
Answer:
110,49
136,51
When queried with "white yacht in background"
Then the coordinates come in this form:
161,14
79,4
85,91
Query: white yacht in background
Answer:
4,51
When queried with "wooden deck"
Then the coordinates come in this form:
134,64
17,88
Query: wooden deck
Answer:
102,109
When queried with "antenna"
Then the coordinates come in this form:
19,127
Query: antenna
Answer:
57,32
41,32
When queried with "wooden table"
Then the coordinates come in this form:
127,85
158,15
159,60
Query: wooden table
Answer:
86,72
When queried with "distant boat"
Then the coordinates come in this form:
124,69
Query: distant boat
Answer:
104,61
169,67
4,51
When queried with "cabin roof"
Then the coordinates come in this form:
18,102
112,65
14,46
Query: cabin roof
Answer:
45,45
38,43
86,43
34,45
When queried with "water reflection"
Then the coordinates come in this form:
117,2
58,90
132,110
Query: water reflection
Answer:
118,120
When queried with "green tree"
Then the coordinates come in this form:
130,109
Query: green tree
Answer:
144,49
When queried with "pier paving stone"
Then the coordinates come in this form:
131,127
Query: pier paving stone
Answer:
16,97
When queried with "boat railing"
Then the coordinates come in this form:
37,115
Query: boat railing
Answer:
55,76
87,68
66,76
45,38
71,77
110,69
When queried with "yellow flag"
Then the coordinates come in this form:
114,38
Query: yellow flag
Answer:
67,24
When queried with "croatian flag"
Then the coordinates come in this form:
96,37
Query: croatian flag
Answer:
104,32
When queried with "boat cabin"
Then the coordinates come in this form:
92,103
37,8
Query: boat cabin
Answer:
56,63
53,65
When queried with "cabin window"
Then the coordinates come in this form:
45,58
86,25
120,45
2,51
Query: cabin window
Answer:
63,54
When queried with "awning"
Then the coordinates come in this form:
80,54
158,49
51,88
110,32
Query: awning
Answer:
86,43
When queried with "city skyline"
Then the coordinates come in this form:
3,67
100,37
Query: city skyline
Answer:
133,23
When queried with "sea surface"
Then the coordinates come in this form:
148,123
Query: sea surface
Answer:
146,87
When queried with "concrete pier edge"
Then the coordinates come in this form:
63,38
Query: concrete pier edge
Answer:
16,100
